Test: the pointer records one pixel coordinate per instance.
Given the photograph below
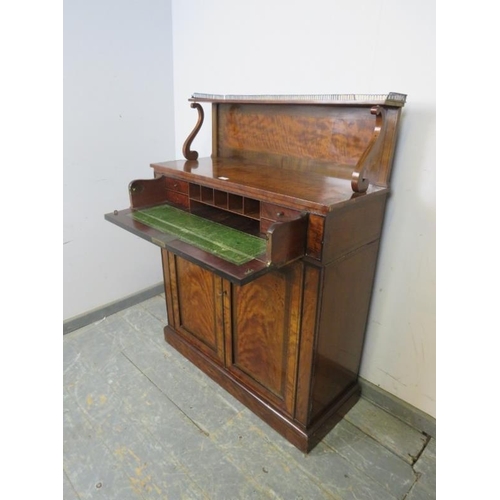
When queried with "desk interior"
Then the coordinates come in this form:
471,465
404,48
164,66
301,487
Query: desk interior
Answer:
302,187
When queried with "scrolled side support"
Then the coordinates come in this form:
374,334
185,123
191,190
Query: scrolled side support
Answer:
371,155
186,148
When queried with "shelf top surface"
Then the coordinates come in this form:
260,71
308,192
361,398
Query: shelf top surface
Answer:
300,187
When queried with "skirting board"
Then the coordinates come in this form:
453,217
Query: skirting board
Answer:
89,317
409,414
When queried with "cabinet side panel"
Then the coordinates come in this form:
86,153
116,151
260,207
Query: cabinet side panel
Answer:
347,288
353,225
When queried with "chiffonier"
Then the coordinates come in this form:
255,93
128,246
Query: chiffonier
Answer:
269,248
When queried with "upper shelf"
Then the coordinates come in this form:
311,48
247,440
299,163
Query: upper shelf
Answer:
349,136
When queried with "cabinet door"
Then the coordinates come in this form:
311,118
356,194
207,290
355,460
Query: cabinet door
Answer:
196,300
261,350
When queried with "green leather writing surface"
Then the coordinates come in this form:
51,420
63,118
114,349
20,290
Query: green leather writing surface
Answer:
225,242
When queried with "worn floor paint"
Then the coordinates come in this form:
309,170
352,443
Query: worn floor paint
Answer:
141,422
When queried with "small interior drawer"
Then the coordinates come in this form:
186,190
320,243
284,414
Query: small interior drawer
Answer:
178,198
177,185
276,212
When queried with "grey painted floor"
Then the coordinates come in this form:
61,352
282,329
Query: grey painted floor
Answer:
141,422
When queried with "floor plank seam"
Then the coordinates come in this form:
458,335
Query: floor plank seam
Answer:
71,484
287,457
203,431
397,417
387,448
95,426
428,440
418,475
283,454
96,431
314,479
162,320
270,493
354,464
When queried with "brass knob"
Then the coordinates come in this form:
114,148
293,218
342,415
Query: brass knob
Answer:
280,214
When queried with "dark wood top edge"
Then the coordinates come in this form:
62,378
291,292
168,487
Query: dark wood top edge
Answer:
394,99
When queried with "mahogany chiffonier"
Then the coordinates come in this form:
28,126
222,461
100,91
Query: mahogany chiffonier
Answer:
269,248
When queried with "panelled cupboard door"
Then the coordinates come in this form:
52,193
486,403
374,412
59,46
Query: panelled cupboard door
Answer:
262,348
197,306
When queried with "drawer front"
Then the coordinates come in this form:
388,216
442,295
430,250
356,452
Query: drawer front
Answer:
177,185
177,198
275,212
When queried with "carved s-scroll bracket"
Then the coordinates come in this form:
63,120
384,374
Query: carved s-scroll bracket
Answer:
186,148
371,155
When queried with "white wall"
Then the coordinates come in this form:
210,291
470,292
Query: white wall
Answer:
332,46
118,118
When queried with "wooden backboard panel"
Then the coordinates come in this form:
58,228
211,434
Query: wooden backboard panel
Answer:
330,139
311,132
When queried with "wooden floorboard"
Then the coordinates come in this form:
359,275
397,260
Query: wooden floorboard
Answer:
397,436
372,458
425,487
141,422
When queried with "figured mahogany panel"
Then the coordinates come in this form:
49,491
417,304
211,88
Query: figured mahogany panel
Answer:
307,132
265,332
324,139
196,299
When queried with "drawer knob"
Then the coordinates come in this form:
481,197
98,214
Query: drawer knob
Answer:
280,214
